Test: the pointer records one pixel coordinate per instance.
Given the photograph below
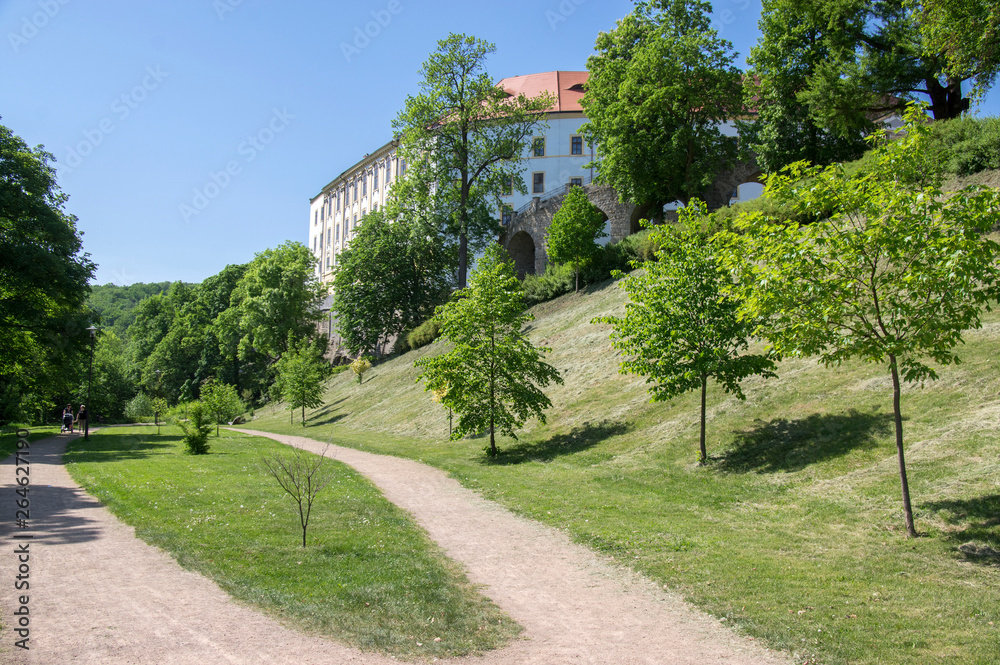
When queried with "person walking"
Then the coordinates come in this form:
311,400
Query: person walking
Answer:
81,417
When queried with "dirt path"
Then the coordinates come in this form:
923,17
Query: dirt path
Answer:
99,595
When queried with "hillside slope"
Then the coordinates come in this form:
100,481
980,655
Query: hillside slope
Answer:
792,532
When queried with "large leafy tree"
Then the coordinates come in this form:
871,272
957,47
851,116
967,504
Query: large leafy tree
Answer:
387,281
278,295
221,401
464,140
966,34
680,328
852,62
43,278
661,84
493,377
783,130
572,235
894,277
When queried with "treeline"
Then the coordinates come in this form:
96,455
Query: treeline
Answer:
116,304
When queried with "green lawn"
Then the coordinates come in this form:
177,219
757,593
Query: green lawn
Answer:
369,577
793,533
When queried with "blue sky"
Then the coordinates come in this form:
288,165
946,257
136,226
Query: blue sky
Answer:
191,134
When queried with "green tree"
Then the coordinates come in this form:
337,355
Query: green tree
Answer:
387,281
196,429
44,277
464,139
661,84
221,401
278,295
300,374
572,235
493,376
680,329
966,35
783,131
895,275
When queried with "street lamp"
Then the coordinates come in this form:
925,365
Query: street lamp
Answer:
90,378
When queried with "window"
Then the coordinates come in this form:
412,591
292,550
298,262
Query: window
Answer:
336,233
506,214
402,167
375,181
538,183
322,214
576,182
338,200
314,243
388,171
355,190
364,185
316,218
328,232
375,207
576,145
538,147
355,224
328,261
508,186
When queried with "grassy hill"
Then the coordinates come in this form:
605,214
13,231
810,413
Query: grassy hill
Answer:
793,533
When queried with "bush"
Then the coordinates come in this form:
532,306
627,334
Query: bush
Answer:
197,429
338,369
139,408
967,145
424,334
402,344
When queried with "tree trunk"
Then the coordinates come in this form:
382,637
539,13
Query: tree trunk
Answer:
577,276
946,100
911,532
704,452
303,415
463,256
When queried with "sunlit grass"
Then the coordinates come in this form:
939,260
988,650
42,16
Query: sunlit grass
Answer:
793,533
368,577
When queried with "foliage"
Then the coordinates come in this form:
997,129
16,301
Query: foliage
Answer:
424,334
680,328
660,85
116,304
494,374
221,401
360,366
789,52
464,139
276,299
302,475
196,429
894,276
139,408
112,384
967,145
301,371
967,34
387,280
44,279
572,235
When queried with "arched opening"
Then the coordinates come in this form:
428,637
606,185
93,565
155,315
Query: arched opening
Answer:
751,188
522,249
641,212
607,230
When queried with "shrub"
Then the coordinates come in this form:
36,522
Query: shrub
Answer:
139,408
967,145
424,334
360,366
197,429
402,344
338,369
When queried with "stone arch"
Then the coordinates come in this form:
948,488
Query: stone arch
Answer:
521,248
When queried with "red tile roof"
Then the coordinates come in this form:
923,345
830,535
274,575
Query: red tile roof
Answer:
566,86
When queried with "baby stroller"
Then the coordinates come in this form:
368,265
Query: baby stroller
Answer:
67,422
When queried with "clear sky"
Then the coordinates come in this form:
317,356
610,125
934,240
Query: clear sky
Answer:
191,134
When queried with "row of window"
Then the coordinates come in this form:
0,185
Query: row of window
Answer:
538,146
359,187
537,183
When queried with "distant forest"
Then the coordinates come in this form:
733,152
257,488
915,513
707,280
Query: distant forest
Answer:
116,304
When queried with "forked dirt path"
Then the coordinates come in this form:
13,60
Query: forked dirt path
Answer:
99,595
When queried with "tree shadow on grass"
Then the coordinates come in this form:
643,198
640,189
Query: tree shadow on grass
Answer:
325,415
121,447
578,439
792,445
977,522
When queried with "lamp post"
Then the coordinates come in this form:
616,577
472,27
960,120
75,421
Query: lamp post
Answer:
90,378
